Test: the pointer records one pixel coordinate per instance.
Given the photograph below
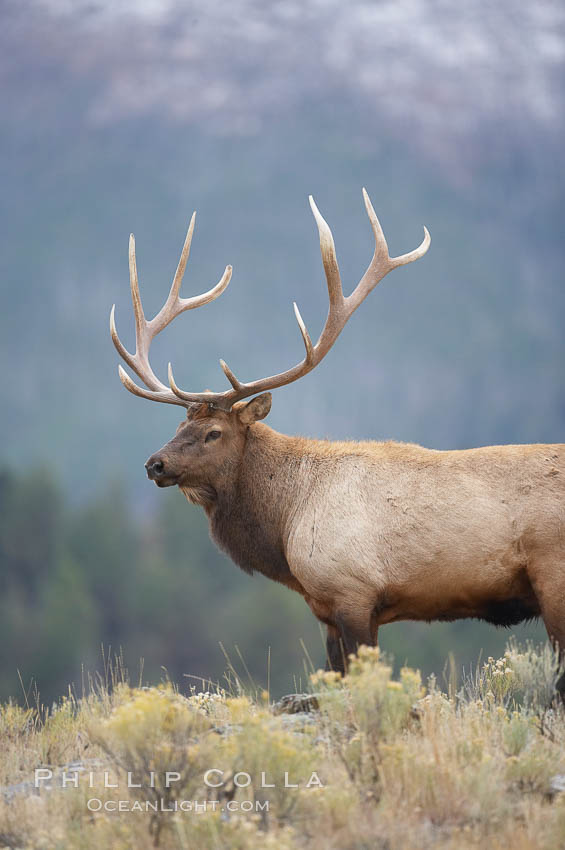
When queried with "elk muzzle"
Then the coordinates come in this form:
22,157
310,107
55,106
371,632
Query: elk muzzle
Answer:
157,471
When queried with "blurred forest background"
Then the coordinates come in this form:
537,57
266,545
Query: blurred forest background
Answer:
125,116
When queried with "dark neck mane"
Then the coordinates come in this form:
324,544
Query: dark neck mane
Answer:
250,520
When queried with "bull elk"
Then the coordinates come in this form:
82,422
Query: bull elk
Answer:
367,532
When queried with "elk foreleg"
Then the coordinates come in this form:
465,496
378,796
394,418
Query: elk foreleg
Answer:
344,638
335,655
347,629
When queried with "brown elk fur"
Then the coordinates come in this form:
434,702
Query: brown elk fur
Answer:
374,532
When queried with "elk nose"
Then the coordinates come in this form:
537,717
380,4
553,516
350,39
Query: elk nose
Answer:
155,468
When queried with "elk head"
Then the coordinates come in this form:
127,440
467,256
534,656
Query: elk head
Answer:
209,445
207,448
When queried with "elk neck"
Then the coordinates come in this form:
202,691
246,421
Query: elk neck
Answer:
251,516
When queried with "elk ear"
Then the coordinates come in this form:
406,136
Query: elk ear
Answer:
255,409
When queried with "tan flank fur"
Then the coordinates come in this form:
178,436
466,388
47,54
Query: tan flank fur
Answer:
367,532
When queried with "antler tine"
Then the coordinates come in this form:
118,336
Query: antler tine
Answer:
329,259
235,382
121,349
381,247
165,396
185,254
416,253
140,321
305,335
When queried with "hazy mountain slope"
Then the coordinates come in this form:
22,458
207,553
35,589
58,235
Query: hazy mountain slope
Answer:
116,121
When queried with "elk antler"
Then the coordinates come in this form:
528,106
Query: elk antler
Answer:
145,331
340,309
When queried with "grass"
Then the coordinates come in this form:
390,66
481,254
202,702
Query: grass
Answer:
384,763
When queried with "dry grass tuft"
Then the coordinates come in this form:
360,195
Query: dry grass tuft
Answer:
384,763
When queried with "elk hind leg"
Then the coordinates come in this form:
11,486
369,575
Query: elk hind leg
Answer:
555,625
549,587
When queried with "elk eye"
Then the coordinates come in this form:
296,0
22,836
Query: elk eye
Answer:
213,435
